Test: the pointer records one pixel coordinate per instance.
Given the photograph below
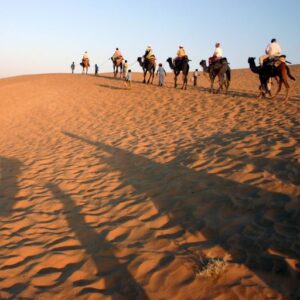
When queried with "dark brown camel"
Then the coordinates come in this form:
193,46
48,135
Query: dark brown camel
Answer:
85,65
180,66
278,69
218,68
148,65
117,63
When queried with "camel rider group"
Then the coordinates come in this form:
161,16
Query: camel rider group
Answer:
273,50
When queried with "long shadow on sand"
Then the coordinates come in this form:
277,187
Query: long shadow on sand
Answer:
9,170
244,220
112,87
119,283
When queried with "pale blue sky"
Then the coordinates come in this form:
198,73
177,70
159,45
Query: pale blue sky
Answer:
45,36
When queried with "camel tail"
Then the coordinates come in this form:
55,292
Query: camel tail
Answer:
289,74
228,74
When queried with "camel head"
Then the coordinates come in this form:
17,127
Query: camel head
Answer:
251,60
253,67
203,63
170,61
139,59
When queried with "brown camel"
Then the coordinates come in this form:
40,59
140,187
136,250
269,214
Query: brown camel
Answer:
218,69
117,63
278,69
148,65
85,65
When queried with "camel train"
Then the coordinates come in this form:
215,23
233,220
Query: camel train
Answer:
275,68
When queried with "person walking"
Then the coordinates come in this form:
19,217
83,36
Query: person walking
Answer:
161,72
96,70
195,77
128,79
125,69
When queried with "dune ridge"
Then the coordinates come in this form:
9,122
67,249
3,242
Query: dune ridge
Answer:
109,193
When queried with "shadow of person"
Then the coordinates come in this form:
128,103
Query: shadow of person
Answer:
244,220
112,87
119,283
9,171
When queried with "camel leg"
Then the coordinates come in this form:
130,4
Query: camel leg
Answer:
226,83
152,77
284,73
211,85
278,90
261,94
287,87
220,76
175,81
184,86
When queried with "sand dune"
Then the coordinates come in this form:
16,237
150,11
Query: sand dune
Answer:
148,193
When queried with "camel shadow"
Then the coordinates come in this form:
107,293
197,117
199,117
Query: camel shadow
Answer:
286,169
9,170
119,283
244,220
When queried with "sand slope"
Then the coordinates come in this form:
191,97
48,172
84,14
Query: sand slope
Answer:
108,193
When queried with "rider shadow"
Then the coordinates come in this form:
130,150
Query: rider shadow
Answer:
9,171
244,220
112,87
119,283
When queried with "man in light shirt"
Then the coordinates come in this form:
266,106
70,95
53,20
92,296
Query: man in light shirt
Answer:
273,49
85,55
217,54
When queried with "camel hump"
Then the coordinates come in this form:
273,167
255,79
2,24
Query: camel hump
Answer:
224,60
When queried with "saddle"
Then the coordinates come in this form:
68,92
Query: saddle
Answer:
179,60
274,61
85,60
118,60
222,61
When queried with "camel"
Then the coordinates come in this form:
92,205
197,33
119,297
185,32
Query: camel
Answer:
221,69
148,65
85,65
117,63
181,66
278,70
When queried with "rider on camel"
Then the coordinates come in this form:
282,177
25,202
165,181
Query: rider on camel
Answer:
181,54
273,49
149,53
218,53
117,55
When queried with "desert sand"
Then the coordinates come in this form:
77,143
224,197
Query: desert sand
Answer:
149,193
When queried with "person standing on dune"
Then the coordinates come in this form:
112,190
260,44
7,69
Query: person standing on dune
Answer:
161,72
73,67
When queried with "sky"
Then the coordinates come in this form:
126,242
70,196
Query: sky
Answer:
45,36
